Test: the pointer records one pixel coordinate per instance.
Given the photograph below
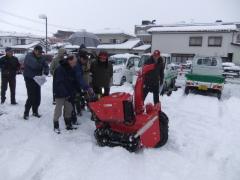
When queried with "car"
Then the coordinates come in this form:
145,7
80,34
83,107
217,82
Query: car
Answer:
205,75
124,66
170,72
230,70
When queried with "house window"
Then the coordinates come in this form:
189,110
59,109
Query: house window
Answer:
215,41
23,41
195,41
113,41
5,40
207,62
9,40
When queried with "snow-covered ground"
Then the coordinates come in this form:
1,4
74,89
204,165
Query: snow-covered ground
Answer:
203,143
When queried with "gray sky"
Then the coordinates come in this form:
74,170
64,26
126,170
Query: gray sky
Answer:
124,14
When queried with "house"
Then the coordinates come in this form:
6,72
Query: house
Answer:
133,46
112,36
141,31
8,39
184,42
23,49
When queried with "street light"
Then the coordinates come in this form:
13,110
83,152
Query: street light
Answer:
43,16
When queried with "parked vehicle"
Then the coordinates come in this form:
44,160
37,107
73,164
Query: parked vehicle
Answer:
170,72
230,70
123,67
205,75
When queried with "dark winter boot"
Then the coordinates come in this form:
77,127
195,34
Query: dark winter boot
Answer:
68,122
25,116
56,127
36,114
3,100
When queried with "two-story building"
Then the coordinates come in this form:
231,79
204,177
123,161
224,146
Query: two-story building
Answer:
184,42
8,39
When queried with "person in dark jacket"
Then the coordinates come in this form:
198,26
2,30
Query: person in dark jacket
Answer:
34,65
55,63
9,66
102,72
154,79
81,96
65,86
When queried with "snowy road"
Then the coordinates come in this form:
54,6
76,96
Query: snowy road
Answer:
203,143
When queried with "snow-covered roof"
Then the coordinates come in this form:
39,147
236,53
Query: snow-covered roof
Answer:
69,46
112,31
16,34
131,43
26,46
209,28
142,47
125,55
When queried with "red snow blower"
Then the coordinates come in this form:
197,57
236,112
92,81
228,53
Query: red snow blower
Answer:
124,121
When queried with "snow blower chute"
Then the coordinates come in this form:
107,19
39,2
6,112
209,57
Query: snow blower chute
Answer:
122,121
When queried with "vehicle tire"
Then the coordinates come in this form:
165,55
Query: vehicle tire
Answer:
219,95
163,124
123,80
169,93
164,89
187,90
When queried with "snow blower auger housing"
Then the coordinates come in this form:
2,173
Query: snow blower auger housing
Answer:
124,121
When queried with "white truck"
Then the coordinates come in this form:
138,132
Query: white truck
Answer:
124,67
170,73
205,75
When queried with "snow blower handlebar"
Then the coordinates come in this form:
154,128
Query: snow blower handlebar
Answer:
138,91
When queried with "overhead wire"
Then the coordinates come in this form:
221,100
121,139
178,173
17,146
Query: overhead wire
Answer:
36,21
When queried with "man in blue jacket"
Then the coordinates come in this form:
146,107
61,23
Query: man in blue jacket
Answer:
34,65
67,80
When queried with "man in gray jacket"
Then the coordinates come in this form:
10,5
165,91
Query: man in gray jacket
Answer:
34,65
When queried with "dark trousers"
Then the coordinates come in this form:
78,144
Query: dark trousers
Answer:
12,84
154,90
34,96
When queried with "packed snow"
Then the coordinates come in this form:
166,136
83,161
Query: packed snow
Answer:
203,142
197,28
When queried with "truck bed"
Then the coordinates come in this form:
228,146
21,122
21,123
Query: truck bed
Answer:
205,78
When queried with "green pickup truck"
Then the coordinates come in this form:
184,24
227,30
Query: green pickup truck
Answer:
205,75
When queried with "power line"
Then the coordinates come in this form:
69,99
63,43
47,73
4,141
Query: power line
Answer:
21,26
35,21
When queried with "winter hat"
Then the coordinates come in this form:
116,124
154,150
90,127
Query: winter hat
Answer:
103,55
83,54
38,48
156,53
61,52
8,49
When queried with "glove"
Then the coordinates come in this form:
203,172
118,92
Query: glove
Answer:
90,92
91,95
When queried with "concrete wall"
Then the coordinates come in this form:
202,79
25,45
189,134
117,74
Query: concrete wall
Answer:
179,43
